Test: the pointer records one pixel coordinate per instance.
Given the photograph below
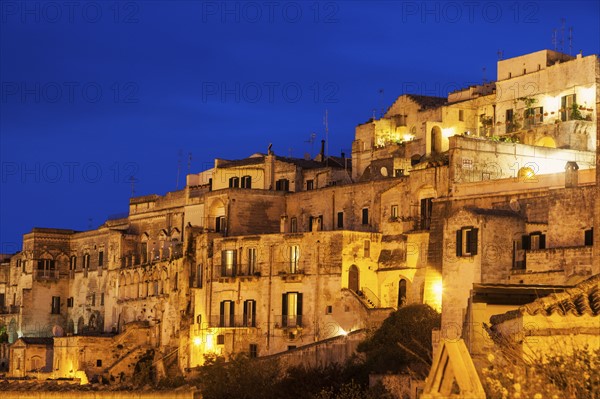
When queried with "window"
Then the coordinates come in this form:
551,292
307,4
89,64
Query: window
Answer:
282,185
226,314
93,298
426,208
589,237
294,258
251,260
220,224
340,220
398,172
466,241
511,126
220,339
86,264
567,112
100,258
55,305
310,184
102,299
316,223
249,313
394,211
365,216
329,309
533,116
519,261
234,182
98,363
294,225
461,115
367,249
253,351
228,262
73,263
198,279
291,306
70,302
246,182
535,240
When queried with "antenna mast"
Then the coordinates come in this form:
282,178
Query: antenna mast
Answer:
326,123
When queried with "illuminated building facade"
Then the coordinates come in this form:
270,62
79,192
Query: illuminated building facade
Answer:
442,201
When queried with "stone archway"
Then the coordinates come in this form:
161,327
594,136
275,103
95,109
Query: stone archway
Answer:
402,292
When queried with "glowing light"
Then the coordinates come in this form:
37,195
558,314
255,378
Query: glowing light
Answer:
408,137
197,341
209,342
343,332
448,132
438,288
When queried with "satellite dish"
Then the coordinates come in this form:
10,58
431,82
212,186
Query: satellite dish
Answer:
57,331
514,205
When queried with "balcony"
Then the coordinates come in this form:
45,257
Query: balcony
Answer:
231,321
9,309
45,274
290,320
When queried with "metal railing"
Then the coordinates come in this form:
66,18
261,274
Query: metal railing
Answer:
45,274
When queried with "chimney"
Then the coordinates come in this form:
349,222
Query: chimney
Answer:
571,178
323,151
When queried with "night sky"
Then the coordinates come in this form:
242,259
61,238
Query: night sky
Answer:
93,93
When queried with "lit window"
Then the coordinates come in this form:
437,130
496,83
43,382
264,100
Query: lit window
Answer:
291,307
228,262
294,258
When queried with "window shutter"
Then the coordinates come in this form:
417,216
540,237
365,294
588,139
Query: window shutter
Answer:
526,242
589,237
473,241
231,314
253,321
542,241
458,242
284,310
245,321
223,264
222,314
299,310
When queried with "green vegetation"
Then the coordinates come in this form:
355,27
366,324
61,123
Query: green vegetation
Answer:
401,344
573,375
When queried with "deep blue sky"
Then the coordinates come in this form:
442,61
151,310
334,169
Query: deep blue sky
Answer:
95,92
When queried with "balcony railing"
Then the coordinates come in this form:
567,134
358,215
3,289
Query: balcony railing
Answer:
290,321
228,321
9,309
45,274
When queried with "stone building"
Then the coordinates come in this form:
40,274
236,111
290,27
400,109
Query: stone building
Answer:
464,202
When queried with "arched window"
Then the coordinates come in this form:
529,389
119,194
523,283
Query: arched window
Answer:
246,182
402,293
234,182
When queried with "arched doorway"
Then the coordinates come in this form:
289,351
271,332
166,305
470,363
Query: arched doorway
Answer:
402,293
353,279
546,142
436,139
